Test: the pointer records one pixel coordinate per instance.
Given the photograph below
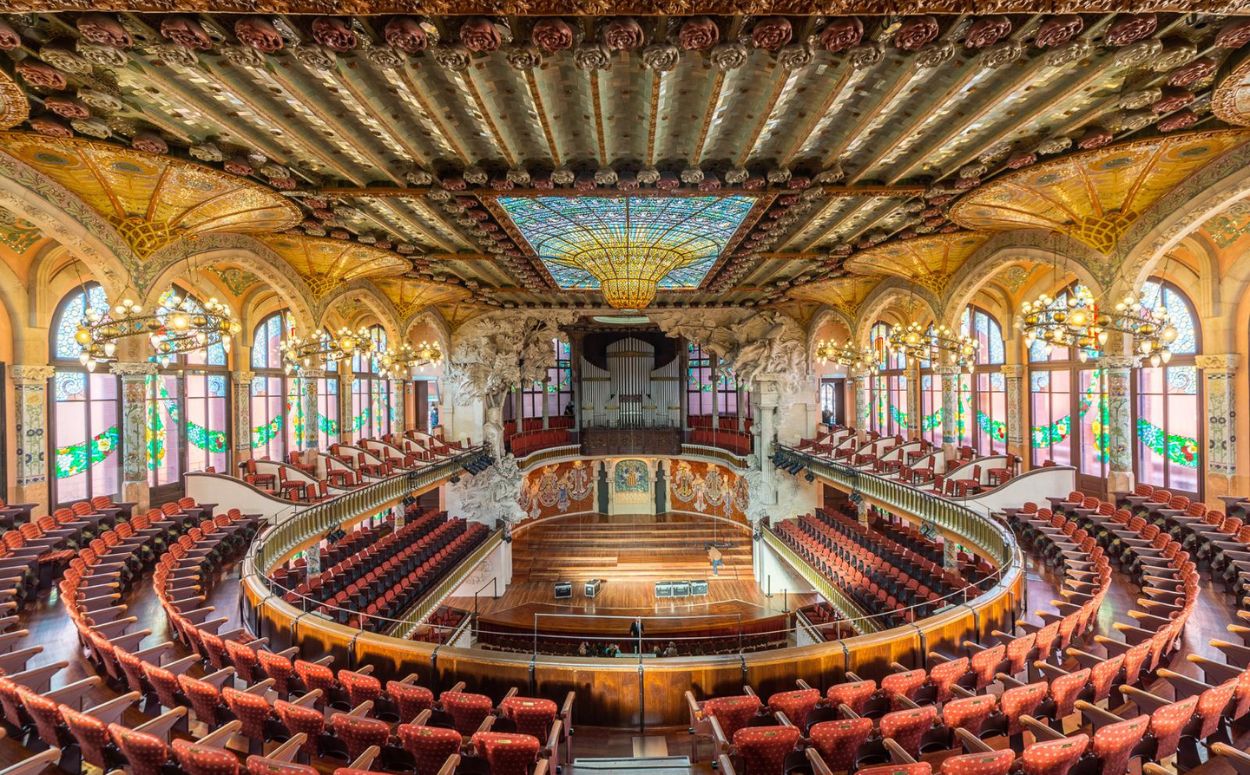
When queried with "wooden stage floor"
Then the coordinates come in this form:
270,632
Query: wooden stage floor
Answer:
630,554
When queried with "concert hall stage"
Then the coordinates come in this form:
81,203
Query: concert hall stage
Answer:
630,554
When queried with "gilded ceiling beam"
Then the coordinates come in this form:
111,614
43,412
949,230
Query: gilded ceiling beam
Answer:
635,7
405,192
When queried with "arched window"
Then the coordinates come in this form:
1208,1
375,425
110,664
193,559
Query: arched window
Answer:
371,395
556,392
188,409
1067,400
983,394
1168,408
272,432
86,425
328,407
888,388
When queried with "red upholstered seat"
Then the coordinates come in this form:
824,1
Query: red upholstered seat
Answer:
467,711
277,667
854,694
244,660
360,732
252,710
145,754
969,712
906,727
409,699
916,768
92,736
197,759
360,687
1102,676
429,746
985,664
838,741
764,749
905,684
1054,757
945,675
995,763
1211,705
796,705
203,696
1021,701
505,753
732,713
1113,744
315,676
532,716
1167,723
297,718
259,765
1064,691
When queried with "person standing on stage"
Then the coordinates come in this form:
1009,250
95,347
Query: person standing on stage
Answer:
714,557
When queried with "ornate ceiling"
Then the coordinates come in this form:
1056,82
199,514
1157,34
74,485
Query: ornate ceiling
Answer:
383,144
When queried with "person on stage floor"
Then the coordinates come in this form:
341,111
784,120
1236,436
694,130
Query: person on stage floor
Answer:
714,556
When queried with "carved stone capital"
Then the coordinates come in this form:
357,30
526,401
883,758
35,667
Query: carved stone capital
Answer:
1218,362
133,369
948,370
1111,362
244,378
31,376
312,373
1013,370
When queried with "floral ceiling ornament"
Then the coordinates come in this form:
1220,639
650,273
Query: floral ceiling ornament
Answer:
840,34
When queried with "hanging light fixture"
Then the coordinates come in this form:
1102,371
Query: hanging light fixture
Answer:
847,355
180,326
1082,323
300,353
397,364
953,349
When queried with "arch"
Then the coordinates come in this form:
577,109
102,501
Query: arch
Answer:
176,261
367,293
1181,211
823,316
890,292
62,216
1018,247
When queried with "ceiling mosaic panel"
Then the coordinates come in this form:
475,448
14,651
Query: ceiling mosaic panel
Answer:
926,261
327,263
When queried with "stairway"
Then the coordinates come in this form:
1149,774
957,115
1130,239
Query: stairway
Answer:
625,549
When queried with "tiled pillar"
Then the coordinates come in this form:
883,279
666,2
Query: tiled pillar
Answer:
397,406
134,410
950,409
914,415
863,412
1017,440
31,424
1119,371
312,412
1218,372
242,416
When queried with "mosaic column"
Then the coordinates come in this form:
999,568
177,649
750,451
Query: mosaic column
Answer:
134,375
1013,376
950,555
863,412
347,423
311,411
1119,372
31,424
397,407
242,415
1219,371
914,415
767,394
950,409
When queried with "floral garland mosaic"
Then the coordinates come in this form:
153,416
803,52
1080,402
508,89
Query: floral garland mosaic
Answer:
1181,450
263,434
198,436
75,459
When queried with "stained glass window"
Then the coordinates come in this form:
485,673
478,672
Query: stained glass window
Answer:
371,400
1050,394
563,231
86,434
931,407
888,390
269,403
1168,452
699,381
327,411
984,328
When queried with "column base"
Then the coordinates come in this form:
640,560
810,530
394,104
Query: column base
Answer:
1120,481
35,492
136,493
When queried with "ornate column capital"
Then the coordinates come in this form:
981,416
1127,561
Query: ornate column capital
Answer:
31,375
1218,362
948,370
244,377
1117,362
312,373
133,369
1013,370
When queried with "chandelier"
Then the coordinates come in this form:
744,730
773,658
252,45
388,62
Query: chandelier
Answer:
299,353
180,325
940,344
1080,322
629,274
397,364
846,355
910,340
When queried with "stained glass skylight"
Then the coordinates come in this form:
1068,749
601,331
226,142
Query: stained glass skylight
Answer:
571,234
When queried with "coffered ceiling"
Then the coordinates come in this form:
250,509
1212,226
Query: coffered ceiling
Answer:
381,145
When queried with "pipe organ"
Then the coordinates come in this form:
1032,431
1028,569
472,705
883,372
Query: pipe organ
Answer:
631,392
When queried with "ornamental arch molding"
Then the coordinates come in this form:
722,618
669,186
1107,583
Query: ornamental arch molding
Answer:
825,315
367,294
892,292
182,258
1181,211
63,217
431,317
1018,247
